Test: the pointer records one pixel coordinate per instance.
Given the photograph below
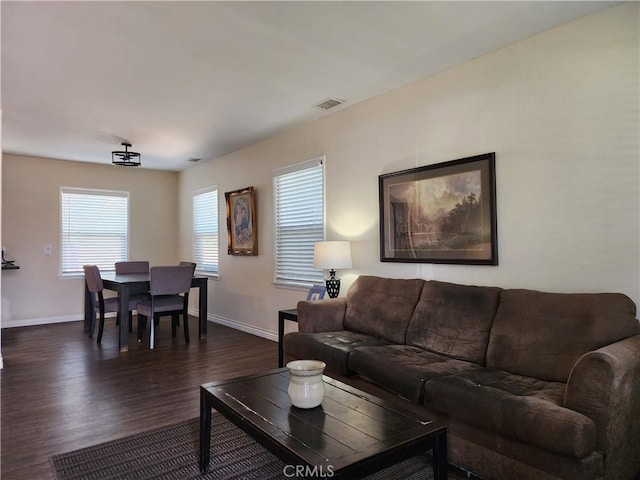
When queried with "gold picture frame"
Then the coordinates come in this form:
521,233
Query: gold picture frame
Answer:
242,233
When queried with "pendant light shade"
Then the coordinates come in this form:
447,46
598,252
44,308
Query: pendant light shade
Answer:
124,157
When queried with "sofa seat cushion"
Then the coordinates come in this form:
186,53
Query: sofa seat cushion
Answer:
333,348
523,408
405,369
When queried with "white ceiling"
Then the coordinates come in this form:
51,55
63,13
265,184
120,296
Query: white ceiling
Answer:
183,80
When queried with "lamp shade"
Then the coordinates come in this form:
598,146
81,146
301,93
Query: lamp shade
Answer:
332,255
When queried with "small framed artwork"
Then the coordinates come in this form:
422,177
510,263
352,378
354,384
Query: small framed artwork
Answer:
442,213
242,235
316,292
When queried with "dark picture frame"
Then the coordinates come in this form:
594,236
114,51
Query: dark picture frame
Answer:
442,213
242,233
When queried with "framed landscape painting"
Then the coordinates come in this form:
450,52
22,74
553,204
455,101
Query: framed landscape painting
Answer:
442,213
242,236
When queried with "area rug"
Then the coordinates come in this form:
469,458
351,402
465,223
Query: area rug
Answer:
171,453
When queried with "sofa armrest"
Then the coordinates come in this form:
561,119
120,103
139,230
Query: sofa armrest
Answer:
605,386
321,316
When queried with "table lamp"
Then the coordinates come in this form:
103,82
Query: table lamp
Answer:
332,256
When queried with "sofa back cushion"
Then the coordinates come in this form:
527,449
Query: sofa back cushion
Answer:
542,335
454,320
382,307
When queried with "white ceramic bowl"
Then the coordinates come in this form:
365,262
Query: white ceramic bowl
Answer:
306,367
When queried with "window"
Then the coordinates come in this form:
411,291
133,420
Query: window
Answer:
299,210
205,230
94,228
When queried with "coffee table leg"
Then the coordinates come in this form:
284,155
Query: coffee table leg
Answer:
440,463
205,431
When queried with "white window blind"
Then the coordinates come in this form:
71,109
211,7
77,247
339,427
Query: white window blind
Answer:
205,230
299,211
94,226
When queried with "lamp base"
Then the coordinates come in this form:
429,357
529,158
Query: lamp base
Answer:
333,285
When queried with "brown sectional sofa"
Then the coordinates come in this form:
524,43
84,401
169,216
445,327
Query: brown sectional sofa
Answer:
532,385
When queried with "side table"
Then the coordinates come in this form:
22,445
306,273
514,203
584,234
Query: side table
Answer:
292,316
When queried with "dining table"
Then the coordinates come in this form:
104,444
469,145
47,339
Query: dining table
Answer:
126,284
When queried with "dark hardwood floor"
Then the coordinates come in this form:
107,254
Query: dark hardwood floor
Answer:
60,391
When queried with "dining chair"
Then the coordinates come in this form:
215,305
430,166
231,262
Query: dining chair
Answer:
175,317
137,266
101,305
169,289
132,267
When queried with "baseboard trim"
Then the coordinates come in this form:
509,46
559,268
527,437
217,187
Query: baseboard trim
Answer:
259,332
30,322
243,327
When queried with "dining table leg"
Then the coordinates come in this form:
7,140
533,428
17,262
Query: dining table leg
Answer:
202,309
124,318
89,310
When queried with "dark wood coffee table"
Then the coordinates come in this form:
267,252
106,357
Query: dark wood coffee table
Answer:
352,434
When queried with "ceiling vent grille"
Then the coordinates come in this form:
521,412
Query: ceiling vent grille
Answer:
329,103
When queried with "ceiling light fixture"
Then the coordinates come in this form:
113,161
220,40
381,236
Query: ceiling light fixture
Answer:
125,158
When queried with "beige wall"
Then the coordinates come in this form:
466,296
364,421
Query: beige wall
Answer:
1,358
559,109
31,218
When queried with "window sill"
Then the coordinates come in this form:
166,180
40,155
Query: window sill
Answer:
301,287
211,275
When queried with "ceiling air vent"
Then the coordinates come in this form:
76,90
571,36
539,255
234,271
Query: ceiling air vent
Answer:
329,103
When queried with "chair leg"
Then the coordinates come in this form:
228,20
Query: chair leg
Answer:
92,327
173,325
142,325
130,321
101,325
152,333
185,320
